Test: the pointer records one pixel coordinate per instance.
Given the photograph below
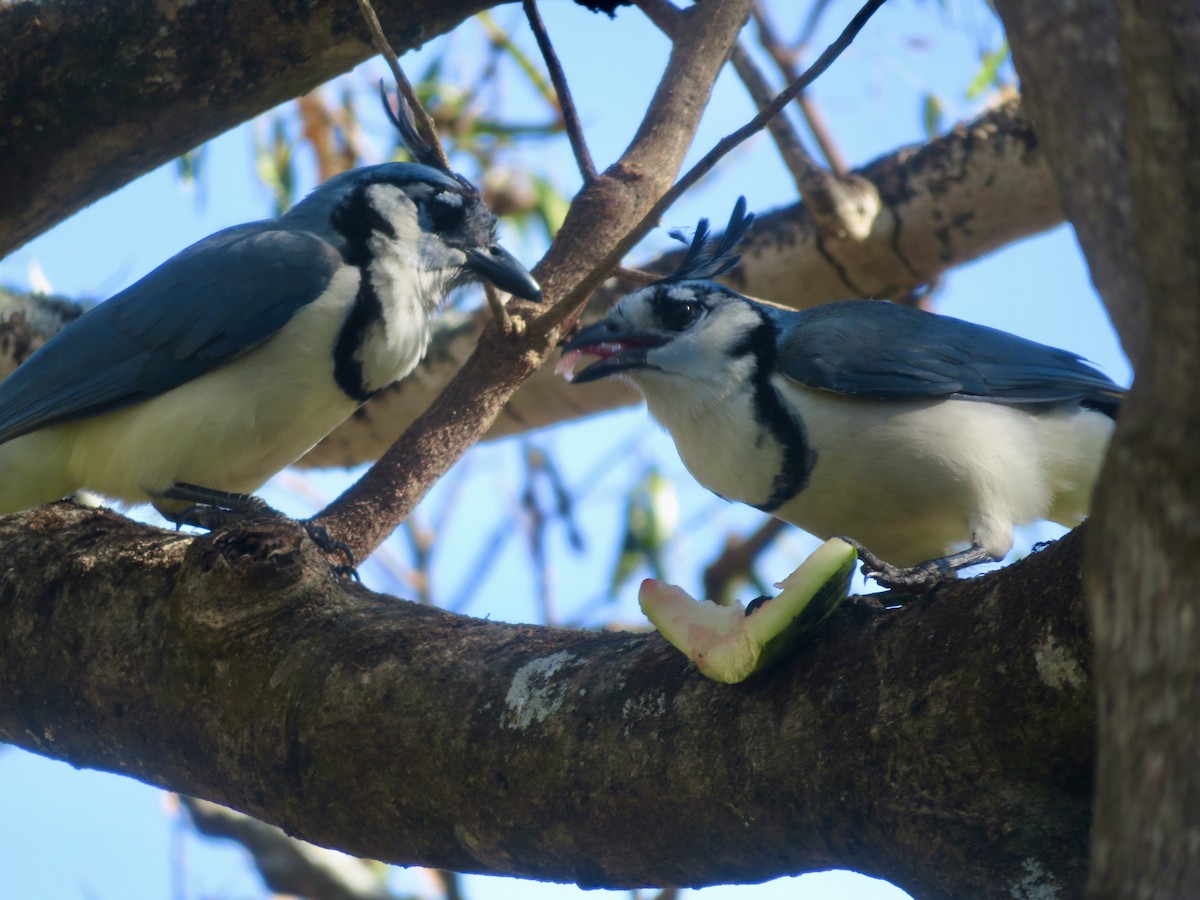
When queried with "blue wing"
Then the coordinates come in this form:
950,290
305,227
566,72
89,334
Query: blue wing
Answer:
203,307
871,348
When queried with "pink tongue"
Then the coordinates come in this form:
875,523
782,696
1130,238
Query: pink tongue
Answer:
566,365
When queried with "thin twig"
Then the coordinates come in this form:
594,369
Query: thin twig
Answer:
499,313
811,22
421,542
785,60
795,157
502,43
422,119
637,276
799,163
452,888
289,865
566,104
535,534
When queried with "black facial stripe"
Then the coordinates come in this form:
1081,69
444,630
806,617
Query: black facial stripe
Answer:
356,220
348,370
444,214
1100,403
377,222
773,415
662,305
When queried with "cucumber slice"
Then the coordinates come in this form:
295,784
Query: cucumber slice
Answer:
729,644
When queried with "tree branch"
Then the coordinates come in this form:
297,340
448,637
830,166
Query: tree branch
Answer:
234,668
737,558
128,91
727,143
1079,97
590,241
787,141
785,59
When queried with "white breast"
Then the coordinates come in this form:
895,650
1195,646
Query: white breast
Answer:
722,444
394,344
915,480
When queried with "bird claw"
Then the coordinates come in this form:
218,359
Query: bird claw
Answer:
918,579
325,541
213,509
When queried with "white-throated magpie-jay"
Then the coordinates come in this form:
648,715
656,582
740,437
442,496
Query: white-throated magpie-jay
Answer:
234,357
912,434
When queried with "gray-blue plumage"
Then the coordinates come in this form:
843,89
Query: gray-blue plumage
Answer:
870,348
911,433
218,298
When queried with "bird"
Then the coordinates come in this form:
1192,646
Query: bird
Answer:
235,356
920,438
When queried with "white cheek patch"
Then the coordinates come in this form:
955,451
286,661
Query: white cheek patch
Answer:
680,293
399,211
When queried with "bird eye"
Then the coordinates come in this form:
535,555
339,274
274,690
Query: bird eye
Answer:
446,211
679,316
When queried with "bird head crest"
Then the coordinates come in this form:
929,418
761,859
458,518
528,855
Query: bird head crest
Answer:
402,118
707,259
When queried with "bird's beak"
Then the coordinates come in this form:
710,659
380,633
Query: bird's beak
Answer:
618,349
502,269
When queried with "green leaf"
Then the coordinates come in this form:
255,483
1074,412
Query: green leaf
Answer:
989,71
190,164
650,516
274,165
552,204
931,115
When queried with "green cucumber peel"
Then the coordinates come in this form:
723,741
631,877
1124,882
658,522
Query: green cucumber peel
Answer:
729,645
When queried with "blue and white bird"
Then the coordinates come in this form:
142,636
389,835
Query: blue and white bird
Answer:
924,439
233,358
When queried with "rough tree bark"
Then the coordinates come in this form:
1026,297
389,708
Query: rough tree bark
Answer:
946,746
1115,91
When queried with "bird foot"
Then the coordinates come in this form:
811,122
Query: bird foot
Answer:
212,509
918,579
331,546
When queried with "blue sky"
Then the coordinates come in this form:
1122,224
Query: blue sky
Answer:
79,834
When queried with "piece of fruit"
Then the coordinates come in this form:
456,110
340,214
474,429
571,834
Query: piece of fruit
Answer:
731,643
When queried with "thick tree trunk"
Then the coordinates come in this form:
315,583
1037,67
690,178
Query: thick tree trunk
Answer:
1145,589
1115,91
945,746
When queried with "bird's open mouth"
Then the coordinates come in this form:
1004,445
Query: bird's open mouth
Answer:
615,356
566,364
